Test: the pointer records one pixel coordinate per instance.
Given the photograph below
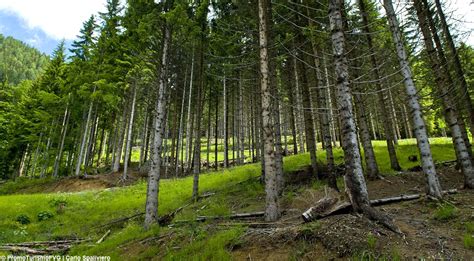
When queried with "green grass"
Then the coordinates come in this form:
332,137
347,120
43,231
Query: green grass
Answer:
445,212
468,241
237,188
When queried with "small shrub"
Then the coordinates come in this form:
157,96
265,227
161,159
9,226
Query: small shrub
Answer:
470,227
44,215
445,212
468,241
59,203
23,219
371,241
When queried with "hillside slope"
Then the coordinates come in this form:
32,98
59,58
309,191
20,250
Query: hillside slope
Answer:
19,61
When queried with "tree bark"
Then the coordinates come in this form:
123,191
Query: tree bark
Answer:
59,157
151,208
457,66
189,120
84,138
355,183
382,95
271,187
434,188
226,131
449,107
128,147
308,117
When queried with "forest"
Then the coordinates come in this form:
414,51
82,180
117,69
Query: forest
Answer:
242,130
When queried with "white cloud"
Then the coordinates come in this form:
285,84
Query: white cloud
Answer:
58,18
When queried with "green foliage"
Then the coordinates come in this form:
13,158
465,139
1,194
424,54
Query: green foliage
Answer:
23,219
19,61
371,241
44,215
212,248
445,212
468,241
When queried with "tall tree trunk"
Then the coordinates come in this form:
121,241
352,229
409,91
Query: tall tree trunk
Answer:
292,103
241,125
434,188
189,121
449,107
271,187
35,159
308,117
299,105
355,183
408,131
119,139
322,97
382,95
226,131
448,80
151,208
216,137
181,118
457,66
59,156
128,147
84,138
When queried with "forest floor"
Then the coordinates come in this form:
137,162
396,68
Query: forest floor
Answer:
432,230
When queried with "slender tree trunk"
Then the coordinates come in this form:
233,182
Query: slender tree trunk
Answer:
46,151
226,132
128,147
448,79
457,66
189,120
369,154
450,110
355,183
299,106
58,159
144,138
382,95
216,137
35,159
84,138
23,161
241,122
181,118
292,104
271,187
409,131
151,208
308,118
434,188
324,119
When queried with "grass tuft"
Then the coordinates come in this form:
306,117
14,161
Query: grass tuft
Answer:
445,212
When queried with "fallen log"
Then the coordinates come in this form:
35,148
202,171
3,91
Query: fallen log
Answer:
26,250
46,243
328,206
103,237
234,216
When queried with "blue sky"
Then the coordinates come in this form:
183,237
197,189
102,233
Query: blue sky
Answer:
12,25
44,23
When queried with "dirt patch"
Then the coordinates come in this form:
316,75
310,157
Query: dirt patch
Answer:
76,184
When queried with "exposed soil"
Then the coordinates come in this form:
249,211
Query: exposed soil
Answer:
91,182
349,235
